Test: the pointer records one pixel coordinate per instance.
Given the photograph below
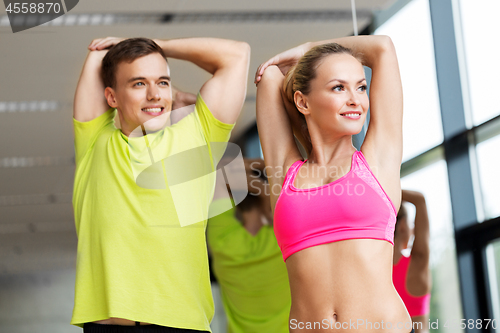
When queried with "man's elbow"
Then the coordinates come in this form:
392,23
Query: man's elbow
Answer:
95,57
243,48
240,53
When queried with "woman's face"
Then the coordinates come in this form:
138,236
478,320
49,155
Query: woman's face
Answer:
338,100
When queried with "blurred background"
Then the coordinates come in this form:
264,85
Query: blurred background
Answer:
447,52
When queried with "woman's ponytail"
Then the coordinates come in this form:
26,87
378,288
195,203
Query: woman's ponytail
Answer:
288,84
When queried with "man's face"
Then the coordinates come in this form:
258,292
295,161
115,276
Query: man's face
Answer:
142,93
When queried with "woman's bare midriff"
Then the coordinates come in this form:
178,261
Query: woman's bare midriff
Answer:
345,286
118,321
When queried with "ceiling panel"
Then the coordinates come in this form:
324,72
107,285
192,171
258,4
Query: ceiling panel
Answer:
121,6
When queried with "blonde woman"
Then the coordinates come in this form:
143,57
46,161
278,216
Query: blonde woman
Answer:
334,214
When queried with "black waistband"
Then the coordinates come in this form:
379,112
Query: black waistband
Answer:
102,328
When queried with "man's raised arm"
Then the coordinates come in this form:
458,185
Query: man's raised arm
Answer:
226,60
89,102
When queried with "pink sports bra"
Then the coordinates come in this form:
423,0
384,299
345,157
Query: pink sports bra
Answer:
416,306
351,207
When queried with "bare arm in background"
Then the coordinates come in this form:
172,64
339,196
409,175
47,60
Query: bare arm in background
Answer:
419,277
180,102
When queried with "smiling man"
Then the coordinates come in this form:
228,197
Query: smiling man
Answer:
138,264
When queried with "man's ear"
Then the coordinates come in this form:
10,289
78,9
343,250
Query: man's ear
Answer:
109,93
301,102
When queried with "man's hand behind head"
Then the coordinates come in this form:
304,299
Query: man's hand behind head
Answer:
104,43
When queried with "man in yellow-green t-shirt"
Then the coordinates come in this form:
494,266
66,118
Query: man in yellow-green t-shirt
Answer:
141,260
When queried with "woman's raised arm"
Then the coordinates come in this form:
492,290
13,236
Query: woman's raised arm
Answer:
275,131
384,138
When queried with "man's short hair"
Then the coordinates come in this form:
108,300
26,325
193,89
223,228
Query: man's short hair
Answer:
127,50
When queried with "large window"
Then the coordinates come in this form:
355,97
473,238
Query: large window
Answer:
432,181
410,31
493,255
479,20
488,160
459,36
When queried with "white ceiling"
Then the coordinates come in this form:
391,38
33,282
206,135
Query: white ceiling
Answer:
43,64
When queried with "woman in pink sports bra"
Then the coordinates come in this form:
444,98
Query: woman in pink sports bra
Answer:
334,214
411,275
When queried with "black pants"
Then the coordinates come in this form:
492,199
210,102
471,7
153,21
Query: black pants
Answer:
100,328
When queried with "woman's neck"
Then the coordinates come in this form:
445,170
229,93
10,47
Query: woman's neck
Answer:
325,151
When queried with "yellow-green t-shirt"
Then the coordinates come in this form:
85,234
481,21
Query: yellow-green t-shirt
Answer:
134,259
251,273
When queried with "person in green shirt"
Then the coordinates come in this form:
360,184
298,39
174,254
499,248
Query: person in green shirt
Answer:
141,257
247,261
